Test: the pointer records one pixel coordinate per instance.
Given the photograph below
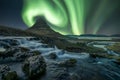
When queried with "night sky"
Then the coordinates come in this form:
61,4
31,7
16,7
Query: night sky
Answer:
11,15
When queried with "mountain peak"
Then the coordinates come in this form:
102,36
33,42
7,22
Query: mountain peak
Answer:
42,28
40,23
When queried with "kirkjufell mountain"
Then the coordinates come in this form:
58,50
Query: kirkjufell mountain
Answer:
42,28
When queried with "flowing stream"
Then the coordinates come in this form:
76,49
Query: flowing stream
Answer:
86,66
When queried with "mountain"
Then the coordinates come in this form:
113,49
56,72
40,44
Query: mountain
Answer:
42,28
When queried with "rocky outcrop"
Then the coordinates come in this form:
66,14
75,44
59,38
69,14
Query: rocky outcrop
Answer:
68,63
34,66
8,31
7,74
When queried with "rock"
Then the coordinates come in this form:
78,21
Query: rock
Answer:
68,63
52,56
7,74
4,44
34,67
24,49
34,53
21,56
75,76
8,53
13,42
11,75
117,61
4,69
104,55
115,47
63,76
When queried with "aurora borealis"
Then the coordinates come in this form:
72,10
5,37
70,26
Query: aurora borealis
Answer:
68,16
58,13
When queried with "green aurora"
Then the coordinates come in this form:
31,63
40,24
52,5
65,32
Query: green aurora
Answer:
68,16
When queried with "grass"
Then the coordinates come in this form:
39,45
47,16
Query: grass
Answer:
115,47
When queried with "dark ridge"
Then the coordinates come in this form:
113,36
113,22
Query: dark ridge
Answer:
8,31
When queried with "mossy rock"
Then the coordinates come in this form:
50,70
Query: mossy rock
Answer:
24,49
36,53
52,56
34,67
68,63
11,75
115,47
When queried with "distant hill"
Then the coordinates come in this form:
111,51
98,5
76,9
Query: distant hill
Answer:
42,28
8,31
115,35
92,35
86,35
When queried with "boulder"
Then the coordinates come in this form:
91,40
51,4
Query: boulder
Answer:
52,56
24,49
4,44
4,69
7,74
63,76
34,53
21,56
75,76
34,67
8,52
68,63
11,75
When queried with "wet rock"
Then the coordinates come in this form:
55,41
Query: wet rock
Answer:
52,56
24,49
11,75
68,63
11,42
115,47
34,67
7,74
4,44
75,76
104,55
4,69
33,38
8,53
21,56
63,76
117,61
34,53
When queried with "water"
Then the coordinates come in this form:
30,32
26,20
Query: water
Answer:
37,45
86,67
